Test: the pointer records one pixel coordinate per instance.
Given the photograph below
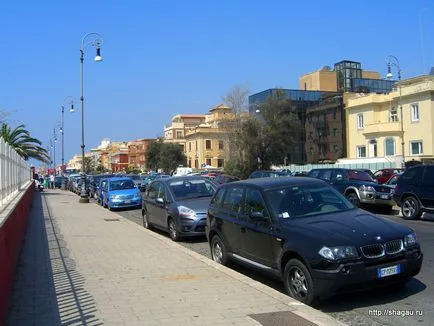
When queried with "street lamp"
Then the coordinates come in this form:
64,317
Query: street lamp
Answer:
54,150
68,100
97,43
391,60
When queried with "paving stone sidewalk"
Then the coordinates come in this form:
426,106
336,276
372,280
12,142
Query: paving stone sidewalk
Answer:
84,265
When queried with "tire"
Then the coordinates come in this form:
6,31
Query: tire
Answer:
353,198
410,208
218,251
173,232
145,220
298,282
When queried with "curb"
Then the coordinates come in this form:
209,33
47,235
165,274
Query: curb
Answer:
298,308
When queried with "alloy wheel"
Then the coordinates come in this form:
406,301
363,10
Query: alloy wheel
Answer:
145,219
172,230
217,253
298,283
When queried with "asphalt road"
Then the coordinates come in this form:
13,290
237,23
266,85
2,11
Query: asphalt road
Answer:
368,308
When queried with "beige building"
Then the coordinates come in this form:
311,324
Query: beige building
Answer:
208,143
176,130
377,128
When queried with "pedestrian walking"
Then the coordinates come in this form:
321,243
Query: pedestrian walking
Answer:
52,179
46,182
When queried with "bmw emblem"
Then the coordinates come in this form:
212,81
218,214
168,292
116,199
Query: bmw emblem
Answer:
378,238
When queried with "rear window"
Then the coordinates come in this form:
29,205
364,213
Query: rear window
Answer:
359,175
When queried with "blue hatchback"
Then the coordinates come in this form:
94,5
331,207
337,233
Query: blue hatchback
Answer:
121,192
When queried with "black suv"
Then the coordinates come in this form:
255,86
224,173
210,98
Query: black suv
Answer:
305,232
414,191
267,174
358,186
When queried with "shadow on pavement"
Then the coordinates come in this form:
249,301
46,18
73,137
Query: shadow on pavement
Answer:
47,288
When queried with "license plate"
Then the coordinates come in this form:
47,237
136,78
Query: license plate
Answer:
388,271
384,196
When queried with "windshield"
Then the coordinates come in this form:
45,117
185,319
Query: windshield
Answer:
359,175
121,184
307,200
191,188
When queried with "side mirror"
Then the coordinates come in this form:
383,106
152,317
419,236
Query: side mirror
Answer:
257,217
159,200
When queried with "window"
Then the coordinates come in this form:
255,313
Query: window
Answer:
335,132
416,147
325,174
393,115
189,163
233,199
335,148
360,121
178,134
361,151
220,162
428,177
208,161
254,202
189,146
334,114
207,144
415,112
412,176
217,201
221,146
153,190
389,146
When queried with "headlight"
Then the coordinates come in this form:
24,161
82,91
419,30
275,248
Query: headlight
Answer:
186,212
114,196
335,253
410,240
366,188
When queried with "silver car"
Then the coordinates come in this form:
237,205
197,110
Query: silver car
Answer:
178,205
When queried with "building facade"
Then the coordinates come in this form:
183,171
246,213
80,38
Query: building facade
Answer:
137,153
377,127
208,144
180,124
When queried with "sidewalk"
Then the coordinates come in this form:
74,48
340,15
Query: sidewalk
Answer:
84,265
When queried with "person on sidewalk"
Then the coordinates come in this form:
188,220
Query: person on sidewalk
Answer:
46,182
52,179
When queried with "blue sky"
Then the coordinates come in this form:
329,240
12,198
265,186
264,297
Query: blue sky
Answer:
162,58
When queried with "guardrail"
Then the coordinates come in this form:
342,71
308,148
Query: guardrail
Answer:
15,173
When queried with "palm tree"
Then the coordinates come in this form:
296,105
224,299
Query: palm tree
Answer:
25,145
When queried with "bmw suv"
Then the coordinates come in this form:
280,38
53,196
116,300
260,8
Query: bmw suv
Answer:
305,232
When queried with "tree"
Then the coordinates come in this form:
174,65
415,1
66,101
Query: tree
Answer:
89,165
26,146
267,139
237,98
164,156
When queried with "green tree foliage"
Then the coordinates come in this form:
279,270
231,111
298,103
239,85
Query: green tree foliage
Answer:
266,139
89,165
23,143
164,156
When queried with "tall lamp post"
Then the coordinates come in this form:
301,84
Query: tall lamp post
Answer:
97,43
54,150
68,100
391,60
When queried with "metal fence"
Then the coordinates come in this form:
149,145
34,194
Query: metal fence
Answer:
15,173
371,166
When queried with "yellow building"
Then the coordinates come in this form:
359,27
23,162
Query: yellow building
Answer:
208,143
376,126
176,130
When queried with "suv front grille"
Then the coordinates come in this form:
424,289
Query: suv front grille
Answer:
394,246
373,251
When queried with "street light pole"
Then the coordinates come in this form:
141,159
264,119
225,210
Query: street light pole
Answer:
391,60
62,130
54,150
97,43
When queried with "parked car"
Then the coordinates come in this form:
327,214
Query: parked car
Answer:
224,178
267,174
148,179
414,191
58,181
357,186
383,175
308,234
101,190
368,171
178,205
120,192
393,180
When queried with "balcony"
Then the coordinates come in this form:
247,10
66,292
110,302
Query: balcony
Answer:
382,128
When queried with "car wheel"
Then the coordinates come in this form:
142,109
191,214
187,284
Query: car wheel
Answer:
218,251
108,206
353,198
298,282
146,223
410,208
173,232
